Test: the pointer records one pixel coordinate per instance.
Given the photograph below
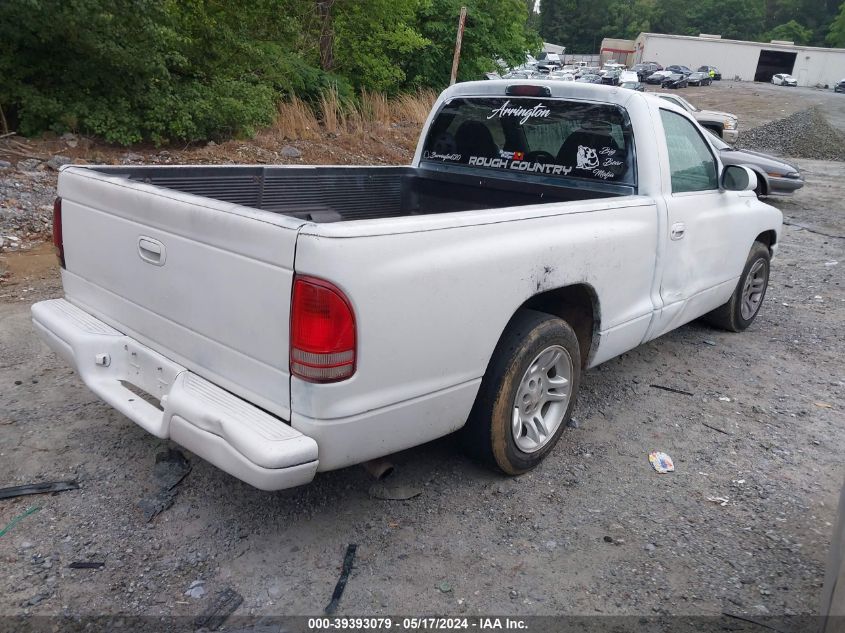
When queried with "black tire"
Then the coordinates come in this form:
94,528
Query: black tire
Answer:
488,434
729,316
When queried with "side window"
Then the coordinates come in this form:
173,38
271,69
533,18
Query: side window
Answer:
691,164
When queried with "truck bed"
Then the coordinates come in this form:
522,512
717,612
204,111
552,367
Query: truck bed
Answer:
334,194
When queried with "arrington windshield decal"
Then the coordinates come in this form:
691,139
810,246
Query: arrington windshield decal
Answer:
539,111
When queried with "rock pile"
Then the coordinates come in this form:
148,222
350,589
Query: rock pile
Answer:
805,134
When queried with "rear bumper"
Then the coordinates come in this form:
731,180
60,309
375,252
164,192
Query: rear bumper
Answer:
232,434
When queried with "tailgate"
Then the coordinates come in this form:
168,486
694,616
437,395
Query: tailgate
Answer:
204,282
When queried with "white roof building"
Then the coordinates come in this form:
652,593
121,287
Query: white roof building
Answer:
748,61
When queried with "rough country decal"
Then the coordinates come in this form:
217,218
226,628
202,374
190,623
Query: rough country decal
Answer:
586,158
539,111
438,156
519,165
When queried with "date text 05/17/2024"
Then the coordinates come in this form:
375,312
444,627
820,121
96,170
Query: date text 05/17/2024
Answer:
418,623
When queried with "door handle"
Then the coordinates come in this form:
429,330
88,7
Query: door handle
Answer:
151,251
679,229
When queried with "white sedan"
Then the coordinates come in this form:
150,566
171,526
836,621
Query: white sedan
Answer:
784,80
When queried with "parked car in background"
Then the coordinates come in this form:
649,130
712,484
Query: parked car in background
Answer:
840,86
699,79
549,61
645,69
611,77
559,75
518,74
679,69
714,72
675,80
657,77
784,79
633,85
608,66
723,124
775,177
589,79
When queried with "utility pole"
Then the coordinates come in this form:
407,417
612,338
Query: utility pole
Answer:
457,57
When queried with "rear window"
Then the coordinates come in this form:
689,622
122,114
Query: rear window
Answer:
566,139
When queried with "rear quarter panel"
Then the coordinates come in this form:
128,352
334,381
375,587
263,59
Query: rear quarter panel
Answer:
433,297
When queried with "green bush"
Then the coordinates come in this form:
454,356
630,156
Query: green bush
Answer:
167,70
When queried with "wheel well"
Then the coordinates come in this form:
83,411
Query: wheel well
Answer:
714,127
577,305
761,183
769,238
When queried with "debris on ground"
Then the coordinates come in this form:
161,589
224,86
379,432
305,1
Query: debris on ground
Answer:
348,560
673,390
444,587
224,604
661,462
722,501
170,469
196,589
18,519
35,489
391,491
87,565
716,428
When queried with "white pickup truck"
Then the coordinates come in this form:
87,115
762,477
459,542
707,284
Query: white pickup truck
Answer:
278,321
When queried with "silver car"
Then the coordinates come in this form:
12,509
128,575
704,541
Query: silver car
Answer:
774,176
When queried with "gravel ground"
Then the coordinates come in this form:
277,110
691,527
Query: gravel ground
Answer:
594,530
26,207
805,134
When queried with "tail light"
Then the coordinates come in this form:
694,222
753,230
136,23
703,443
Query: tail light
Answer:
57,231
322,333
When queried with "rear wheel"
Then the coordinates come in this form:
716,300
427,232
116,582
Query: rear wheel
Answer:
741,309
527,394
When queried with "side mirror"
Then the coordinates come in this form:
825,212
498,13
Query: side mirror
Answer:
738,178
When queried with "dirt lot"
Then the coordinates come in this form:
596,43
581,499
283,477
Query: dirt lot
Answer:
594,530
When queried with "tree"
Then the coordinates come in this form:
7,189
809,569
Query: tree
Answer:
372,38
836,32
791,31
728,18
495,29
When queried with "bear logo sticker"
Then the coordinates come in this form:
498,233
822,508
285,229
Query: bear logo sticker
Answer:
587,158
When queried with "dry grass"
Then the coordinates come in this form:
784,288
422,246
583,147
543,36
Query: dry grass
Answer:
413,107
375,108
296,121
334,115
